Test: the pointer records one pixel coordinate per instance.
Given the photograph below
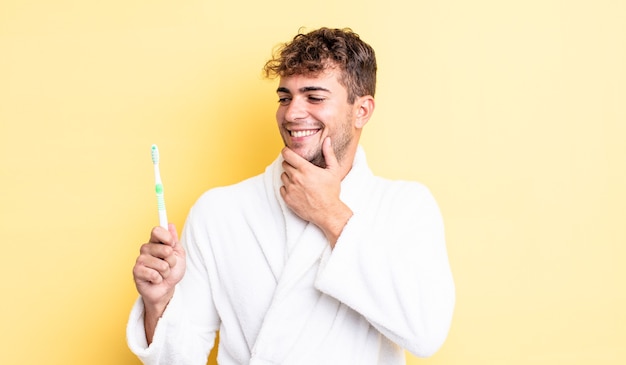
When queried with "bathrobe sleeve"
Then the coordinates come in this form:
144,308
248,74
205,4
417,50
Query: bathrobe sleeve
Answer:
186,332
390,264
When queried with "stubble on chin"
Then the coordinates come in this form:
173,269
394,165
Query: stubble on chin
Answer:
318,159
339,150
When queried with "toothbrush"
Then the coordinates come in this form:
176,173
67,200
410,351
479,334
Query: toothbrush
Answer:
159,187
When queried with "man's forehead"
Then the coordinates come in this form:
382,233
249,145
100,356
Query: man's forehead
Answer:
323,81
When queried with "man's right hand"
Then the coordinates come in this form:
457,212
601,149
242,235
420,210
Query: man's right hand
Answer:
159,267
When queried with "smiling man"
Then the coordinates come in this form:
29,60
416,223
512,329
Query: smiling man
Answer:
313,108
314,116
315,261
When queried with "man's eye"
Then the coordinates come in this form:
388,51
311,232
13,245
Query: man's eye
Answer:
315,99
284,101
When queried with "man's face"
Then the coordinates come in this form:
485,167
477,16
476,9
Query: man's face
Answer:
312,108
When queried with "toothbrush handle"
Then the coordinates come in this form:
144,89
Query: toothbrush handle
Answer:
161,206
163,219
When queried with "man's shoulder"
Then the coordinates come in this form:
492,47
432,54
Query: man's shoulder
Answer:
395,193
387,185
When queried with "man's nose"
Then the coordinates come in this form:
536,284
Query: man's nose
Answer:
296,110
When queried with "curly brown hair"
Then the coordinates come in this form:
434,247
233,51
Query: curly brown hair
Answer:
312,53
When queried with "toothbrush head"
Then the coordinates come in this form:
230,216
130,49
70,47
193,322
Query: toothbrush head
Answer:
155,154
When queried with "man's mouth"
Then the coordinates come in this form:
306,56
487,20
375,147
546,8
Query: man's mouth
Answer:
303,133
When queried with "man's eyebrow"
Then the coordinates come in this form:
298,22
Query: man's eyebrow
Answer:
304,89
313,88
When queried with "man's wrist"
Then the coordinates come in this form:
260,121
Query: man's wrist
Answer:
153,311
336,222
157,308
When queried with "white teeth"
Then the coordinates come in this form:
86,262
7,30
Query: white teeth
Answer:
304,133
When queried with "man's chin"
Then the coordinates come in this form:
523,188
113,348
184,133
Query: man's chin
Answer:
316,157
318,161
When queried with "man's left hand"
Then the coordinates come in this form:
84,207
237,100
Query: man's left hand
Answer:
313,192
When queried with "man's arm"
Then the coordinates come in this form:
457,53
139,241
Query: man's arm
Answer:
159,267
183,308
391,266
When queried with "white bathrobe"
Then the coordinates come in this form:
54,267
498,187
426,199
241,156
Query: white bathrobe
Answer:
278,294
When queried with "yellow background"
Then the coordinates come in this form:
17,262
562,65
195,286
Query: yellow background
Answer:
512,112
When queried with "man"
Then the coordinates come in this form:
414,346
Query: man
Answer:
315,261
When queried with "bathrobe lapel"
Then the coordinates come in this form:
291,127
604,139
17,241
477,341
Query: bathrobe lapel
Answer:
293,252
294,255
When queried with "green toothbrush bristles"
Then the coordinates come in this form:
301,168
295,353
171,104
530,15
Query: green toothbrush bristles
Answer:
155,154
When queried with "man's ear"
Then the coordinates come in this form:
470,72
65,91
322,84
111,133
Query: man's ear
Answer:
364,109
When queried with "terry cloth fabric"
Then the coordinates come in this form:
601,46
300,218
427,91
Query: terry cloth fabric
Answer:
278,294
